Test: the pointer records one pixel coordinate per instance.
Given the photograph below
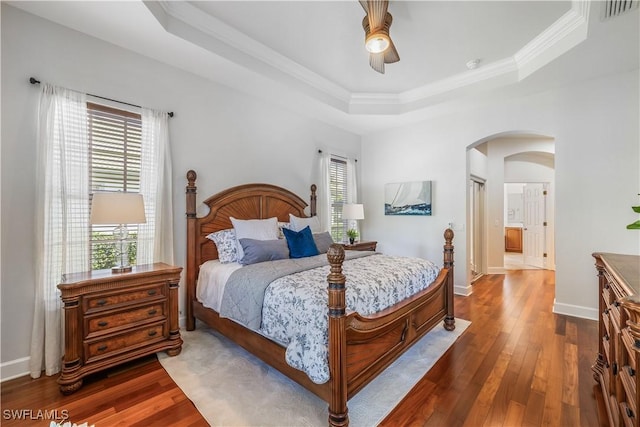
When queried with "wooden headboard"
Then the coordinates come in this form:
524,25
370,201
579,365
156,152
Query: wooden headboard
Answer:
249,201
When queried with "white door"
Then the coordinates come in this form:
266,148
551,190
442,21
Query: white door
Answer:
534,225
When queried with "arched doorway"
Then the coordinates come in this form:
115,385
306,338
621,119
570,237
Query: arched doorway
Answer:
495,160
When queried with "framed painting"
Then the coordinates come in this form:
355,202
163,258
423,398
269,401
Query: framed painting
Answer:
408,198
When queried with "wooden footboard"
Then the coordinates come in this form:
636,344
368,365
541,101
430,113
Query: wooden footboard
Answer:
360,347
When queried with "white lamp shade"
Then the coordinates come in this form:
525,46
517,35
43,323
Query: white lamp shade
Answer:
117,208
353,211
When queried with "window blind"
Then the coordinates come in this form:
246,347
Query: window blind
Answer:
338,195
115,140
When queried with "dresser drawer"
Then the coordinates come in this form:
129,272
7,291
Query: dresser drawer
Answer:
108,300
101,324
627,414
108,346
627,377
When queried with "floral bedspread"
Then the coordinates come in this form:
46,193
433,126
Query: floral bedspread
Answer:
295,311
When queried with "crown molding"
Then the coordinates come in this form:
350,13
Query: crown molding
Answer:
568,31
187,21
221,36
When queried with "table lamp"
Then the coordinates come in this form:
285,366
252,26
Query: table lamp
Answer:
354,212
120,209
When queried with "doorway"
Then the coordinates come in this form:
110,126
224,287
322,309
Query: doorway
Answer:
509,157
526,240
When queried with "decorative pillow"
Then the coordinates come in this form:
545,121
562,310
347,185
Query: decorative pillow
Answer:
226,243
323,241
259,229
282,225
263,250
300,243
297,224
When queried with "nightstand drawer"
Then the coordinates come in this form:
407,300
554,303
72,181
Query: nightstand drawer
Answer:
97,325
126,341
110,300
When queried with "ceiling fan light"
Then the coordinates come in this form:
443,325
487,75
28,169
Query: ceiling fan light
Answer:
377,43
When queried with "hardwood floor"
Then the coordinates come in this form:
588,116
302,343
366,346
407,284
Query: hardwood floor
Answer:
518,364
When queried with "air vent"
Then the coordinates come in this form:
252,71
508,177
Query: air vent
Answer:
613,8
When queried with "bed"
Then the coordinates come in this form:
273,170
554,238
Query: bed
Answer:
358,347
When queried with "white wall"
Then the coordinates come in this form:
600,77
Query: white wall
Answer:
229,138
597,164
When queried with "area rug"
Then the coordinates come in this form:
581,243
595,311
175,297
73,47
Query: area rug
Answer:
231,387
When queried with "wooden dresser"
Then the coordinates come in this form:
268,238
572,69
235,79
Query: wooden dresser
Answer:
114,318
619,331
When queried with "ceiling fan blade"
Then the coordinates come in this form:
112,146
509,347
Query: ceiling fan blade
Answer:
377,11
391,54
376,60
365,5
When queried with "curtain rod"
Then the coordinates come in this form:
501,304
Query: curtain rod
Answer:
336,155
34,81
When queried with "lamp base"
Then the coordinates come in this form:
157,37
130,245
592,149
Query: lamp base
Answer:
122,269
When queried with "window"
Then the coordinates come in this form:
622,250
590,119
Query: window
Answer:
338,197
115,139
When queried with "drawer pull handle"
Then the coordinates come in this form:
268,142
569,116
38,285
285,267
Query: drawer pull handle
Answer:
629,412
614,368
606,311
637,343
631,371
152,292
153,333
102,348
152,312
616,303
102,323
102,301
606,337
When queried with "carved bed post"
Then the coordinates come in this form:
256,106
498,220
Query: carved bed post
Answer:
313,201
191,248
337,338
449,320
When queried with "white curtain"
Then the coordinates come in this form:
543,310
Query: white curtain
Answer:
155,238
324,194
323,201
62,216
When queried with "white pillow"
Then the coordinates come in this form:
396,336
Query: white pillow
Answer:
297,224
258,229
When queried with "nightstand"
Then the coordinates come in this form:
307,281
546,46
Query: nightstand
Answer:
360,246
113,318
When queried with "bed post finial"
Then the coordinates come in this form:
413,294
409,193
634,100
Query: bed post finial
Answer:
338,413
192,268
313,209
449,319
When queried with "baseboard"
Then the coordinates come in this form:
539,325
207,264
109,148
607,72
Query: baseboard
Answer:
575,310
496,270
463,290
14,369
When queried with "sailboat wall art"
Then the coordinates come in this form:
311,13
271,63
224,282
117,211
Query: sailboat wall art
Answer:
408,198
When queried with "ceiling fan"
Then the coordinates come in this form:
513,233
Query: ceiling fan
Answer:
376,29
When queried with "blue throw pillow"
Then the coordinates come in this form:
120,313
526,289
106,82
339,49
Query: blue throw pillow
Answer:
301,243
